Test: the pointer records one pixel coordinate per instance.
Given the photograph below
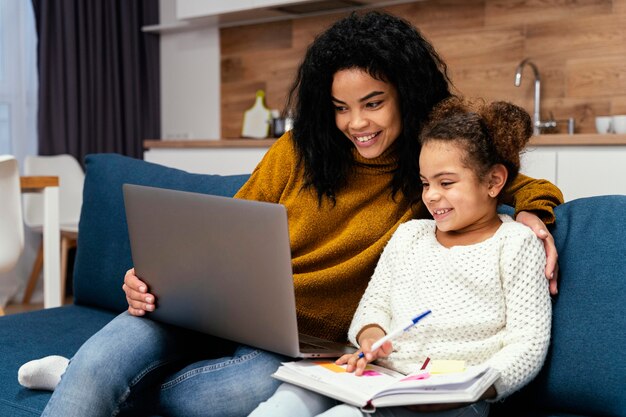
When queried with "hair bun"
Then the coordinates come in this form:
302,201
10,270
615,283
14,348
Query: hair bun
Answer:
510,125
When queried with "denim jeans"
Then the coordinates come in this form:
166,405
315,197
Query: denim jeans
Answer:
136,366
290,400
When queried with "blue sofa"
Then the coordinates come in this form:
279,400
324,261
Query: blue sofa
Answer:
585,373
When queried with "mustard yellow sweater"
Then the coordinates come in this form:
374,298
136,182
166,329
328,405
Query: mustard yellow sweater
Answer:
335,248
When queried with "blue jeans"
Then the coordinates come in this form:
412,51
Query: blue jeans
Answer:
136,366
290,400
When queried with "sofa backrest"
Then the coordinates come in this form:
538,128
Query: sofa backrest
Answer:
586,368
103,252
585,371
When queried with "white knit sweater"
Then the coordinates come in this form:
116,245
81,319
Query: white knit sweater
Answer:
490,301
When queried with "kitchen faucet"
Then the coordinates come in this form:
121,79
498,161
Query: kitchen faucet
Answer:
538,125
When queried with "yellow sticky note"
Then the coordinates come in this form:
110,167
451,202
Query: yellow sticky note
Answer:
442,366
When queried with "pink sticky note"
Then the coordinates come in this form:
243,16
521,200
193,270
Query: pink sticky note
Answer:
369,372
417,377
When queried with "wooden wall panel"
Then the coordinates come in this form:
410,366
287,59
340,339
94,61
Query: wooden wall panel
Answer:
600,77
267,37
512,12
579,47
480,46
305,30
591,37
442,16
238,99
618,104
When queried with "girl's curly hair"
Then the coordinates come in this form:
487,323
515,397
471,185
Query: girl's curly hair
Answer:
387,48
494,133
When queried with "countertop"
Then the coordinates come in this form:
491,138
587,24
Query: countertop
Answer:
207,143
581,139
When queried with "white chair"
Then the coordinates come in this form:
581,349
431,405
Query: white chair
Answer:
11,226
71,179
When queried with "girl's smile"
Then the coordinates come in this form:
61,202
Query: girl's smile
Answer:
440,214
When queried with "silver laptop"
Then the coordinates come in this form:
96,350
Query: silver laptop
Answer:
221,266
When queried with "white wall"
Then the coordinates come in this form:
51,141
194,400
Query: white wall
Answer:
190,80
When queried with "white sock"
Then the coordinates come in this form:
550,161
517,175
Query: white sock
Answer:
44,373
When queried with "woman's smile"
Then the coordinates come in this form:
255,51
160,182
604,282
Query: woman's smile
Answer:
366,111
366,139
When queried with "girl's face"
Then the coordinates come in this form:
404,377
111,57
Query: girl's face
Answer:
455,197
366,111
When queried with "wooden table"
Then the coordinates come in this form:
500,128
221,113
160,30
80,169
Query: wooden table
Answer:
49,187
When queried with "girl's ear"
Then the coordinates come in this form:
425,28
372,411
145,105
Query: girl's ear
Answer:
497,179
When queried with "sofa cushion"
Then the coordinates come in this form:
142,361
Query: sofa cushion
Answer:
103,253
27,336
585,371
586,368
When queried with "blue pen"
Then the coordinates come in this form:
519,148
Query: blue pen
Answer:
397,332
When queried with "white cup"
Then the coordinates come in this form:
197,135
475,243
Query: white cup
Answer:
619,124
604,124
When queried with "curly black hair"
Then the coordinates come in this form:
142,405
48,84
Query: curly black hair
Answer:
389,49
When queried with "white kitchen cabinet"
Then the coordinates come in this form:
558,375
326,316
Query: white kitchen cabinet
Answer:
226,13
540,163
589,171
221,161
189,9
273,3
579,171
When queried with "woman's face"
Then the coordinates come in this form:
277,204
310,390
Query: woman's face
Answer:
366,111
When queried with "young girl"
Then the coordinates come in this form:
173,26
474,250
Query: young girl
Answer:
480,273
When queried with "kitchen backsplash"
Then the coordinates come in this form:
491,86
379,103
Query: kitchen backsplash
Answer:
579,48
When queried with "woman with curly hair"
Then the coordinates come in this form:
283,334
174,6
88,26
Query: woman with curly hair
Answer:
348,174
479,273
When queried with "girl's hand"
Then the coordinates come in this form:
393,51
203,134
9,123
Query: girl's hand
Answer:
139,299
540,229
367,338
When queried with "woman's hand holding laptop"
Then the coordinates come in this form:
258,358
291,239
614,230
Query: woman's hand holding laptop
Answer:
139,299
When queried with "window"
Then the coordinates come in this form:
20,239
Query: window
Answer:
5,128
5,123
18,79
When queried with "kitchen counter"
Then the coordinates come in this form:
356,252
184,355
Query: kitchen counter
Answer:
581,139
208,143
224,157
564,160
